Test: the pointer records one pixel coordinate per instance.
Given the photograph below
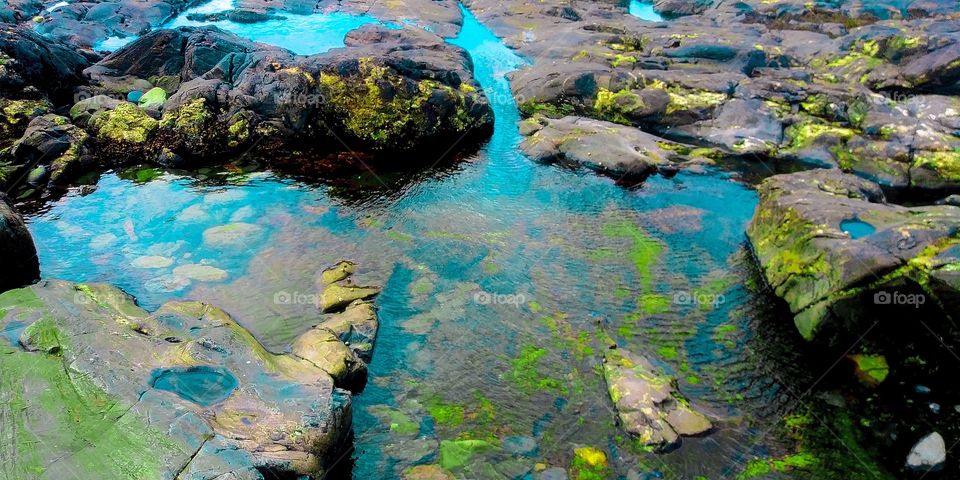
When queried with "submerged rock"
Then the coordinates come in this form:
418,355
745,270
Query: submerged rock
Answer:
647,402
897,256
929,454
18,255
338,291
185,389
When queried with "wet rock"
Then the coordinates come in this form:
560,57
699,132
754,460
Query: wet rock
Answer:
232,235
183,387
17,252
647,402
929,454
338,292
324,349
801,234
519,445
606,147
871,370
356,327
427,472
32,66
53,144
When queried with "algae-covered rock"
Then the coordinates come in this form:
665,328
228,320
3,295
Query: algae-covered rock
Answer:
125,124
54,145
647,402
829,245
589,464
18,255
185,389
153,98
609,148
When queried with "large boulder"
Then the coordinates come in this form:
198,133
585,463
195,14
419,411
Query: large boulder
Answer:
648,404
18,255
830,245
32,66
184,389
51,153
388,90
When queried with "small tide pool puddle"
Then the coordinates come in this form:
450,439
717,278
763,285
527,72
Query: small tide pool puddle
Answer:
644,11
202,385
857,228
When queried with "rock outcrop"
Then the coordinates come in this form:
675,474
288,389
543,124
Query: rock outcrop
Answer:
18,255
184,392
829,244
606,147
388,90
648,404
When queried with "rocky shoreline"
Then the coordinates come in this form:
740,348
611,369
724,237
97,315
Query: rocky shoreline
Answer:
858,101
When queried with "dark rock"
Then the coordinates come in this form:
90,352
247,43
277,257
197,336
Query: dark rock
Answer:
826,270
50,143
30,62
17,252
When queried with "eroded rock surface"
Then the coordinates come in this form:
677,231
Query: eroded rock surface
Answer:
100,387
648,403
827,242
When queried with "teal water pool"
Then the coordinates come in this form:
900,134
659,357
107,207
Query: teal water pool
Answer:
502,279
644,11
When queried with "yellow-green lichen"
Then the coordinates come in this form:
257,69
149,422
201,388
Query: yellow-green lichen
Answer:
617,106
189,119
125,123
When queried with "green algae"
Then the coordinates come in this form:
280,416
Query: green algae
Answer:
455,454
762,467
684,100
802,134
945,163
46,336
617,106
668,353
382,107
644,252
398,421
589,464
533,107
524,372
871,369
105,439
445,414
126,123
188,120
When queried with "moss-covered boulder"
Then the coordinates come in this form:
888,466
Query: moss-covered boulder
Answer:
51,153
648,404
104,389
831,247
18,255
124,125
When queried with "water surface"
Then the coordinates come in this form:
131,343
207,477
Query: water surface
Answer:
644,11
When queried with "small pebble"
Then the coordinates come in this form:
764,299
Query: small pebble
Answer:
922,389
935,407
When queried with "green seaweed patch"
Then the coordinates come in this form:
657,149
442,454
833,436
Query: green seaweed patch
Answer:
802,134
589,464
668,352
524,371
189,119
456,454
531,108
445,414
760,467
126,123
871,370
114,442
946,163
652,304
617,106
398,421
644,252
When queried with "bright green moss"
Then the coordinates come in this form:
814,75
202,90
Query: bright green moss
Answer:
455,454
533,107
398,421
652,304
384,108
644,252
871,369
155,97
946,164
682,100
189,119
524,371
126,123
760,467
617,106
445,414
45,336
803,134
620,59
668,353
589,464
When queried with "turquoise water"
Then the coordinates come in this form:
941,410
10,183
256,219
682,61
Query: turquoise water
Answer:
303,34
202,385
857,228
644,11
502,277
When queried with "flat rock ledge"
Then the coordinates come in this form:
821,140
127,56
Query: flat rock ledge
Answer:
829,245
648,404
609,148
96,387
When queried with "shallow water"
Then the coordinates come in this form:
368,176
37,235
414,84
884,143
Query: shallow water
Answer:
857,228
295,32
202,385
644,11
501,277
